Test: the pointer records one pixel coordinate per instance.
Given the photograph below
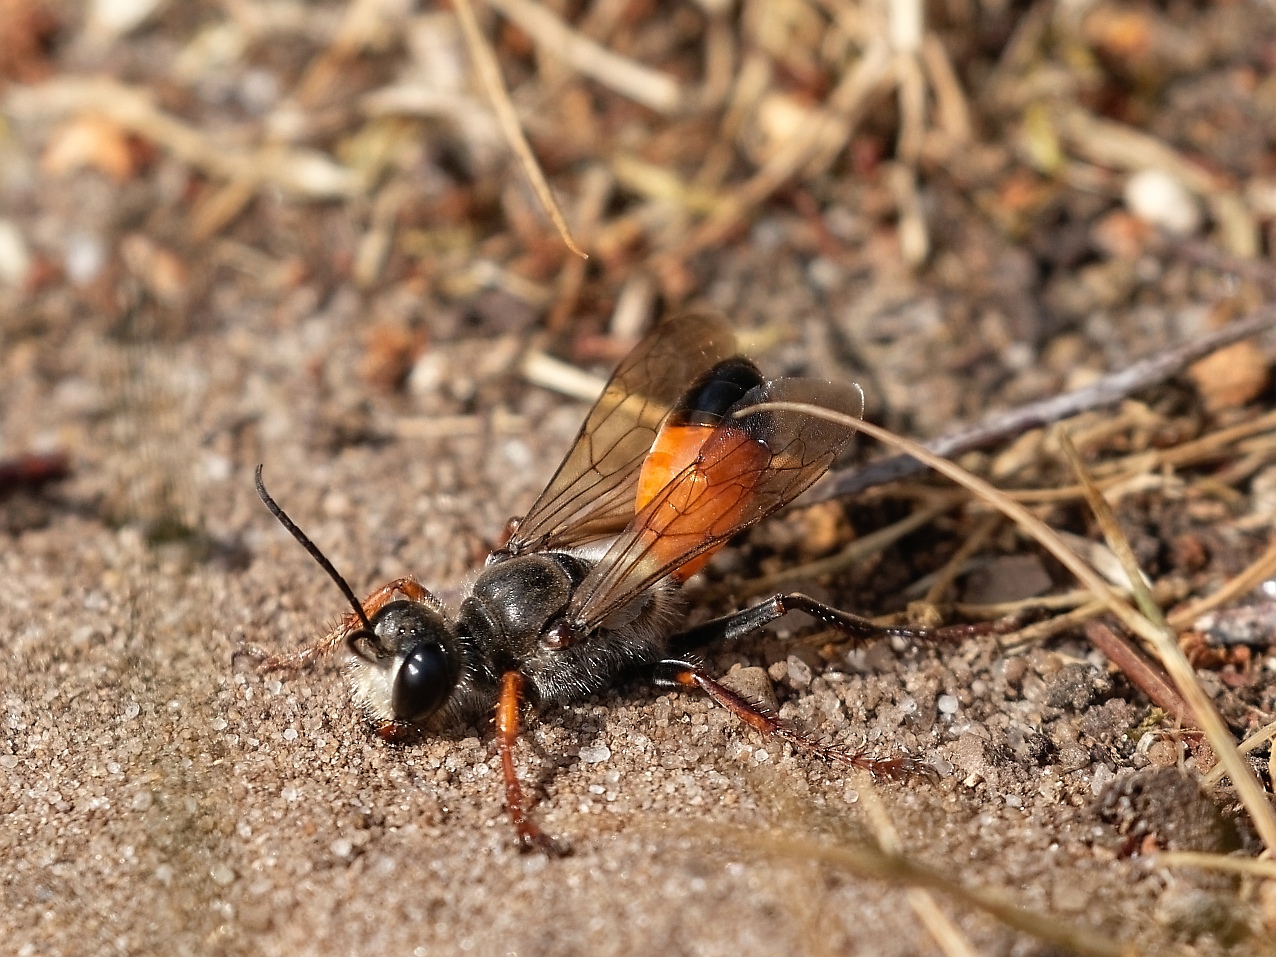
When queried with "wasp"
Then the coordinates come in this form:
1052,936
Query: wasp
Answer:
672,461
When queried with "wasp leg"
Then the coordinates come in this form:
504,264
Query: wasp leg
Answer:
410,588
530,836
683,674
739,624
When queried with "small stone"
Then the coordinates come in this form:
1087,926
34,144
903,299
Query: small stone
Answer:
222,874
1158,198
1230,377
799,672
754,684
15,260
595,754
947,704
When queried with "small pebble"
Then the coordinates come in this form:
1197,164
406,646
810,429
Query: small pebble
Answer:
1156,197
595,754
85,257
15,261
947,704
222,875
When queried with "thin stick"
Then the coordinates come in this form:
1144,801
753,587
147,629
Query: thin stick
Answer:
1105,391
1247,785
1246,866
854,553
946,933
952,568
653,89
1248,579
894,869
1255,740
1146,675
490,76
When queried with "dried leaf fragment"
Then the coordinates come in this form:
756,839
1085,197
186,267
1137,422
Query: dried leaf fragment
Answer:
1231,377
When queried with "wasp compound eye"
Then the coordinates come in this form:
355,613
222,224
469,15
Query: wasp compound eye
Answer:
424,682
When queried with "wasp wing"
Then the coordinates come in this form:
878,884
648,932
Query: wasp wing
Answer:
592,494
746,470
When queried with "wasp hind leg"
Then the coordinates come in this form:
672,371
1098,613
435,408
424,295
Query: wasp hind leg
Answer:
680,673
741,624
674,673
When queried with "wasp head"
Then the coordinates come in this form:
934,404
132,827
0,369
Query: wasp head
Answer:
406,662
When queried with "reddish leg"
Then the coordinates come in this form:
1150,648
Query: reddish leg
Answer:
683,674
529,835
409,588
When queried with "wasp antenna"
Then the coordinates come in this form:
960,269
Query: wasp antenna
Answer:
310,547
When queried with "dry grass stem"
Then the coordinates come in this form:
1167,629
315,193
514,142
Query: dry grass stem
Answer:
945,577
1152,627
877,865
542,369
1245,866
653,89
489,73
1108,143
946,934
302,172
1248,787
857,551
1255,740
951,108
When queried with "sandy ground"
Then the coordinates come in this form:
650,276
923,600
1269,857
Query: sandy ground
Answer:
159,800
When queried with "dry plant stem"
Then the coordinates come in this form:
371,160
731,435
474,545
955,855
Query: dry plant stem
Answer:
1039,632
653,89
952,110
1112,144
1146,675
1214,445
878,865
854,553
489,72
1247,580
1248,788
947,935
1245,866
1255,740
1105,391
843,108
1002,609
302,172
595,190
952,568
1152,627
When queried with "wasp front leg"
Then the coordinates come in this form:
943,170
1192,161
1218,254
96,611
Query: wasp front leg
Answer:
530,836
409,588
